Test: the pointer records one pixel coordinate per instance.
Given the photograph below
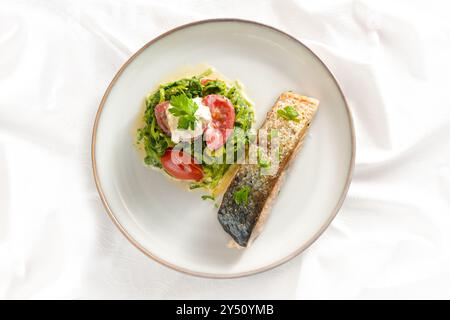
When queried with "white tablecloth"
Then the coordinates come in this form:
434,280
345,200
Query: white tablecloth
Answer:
392,236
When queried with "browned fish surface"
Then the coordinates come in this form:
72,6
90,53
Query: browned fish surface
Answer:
247,201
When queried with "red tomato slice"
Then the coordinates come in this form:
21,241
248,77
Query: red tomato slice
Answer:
181,165
161,116
222,124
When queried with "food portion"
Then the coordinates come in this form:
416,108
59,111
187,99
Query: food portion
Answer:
247,201
191,124
199,130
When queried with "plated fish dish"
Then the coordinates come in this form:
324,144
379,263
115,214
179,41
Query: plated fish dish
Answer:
201,130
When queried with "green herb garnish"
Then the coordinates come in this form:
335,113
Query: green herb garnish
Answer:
262,163
184,108
288,113
208,197
241,195
242,108
214,86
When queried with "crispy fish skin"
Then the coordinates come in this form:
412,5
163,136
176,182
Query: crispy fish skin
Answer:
244,221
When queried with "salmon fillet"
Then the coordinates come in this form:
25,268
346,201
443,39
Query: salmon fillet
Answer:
244,220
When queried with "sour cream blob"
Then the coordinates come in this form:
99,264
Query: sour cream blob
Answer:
203,118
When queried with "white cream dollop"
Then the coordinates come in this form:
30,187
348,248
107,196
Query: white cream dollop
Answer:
203,116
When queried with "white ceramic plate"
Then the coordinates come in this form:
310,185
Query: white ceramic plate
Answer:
176,227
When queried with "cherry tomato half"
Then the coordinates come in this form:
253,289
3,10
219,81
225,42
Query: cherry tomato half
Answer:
222,124
161,116
181,165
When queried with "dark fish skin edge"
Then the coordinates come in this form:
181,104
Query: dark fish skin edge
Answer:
239,220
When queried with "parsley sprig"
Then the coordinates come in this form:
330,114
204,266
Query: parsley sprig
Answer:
184,108
241,195
288,113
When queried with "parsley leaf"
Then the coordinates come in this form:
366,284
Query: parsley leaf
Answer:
241,195
184,108
288,113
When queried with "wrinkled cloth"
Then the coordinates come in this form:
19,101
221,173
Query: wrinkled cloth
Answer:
391,239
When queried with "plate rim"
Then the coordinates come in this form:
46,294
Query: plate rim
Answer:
172,266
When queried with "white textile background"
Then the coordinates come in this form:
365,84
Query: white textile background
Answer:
392,236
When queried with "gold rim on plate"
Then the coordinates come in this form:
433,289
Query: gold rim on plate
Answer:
214,275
